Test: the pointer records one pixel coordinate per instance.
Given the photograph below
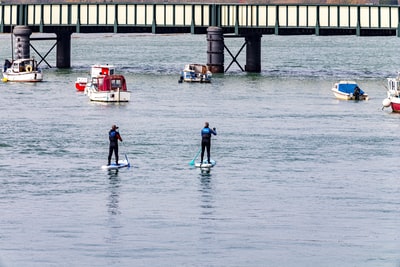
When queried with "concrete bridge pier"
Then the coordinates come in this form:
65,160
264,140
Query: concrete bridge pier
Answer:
22,41
216,46
63,56
253,52
215,49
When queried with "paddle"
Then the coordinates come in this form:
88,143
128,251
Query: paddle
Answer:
195,157
126,157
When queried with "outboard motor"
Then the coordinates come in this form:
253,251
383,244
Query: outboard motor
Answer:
356,93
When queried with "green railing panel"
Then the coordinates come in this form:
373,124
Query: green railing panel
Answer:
193,15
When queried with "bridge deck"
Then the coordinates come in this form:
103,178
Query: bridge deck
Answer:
195,18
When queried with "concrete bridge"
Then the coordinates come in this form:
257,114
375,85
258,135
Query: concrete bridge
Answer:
237,20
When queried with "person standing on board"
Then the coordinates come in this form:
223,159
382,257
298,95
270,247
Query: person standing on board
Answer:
206,133
114,136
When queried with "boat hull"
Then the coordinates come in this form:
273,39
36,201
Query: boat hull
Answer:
197,80
34,76
109,96
345,96
395,104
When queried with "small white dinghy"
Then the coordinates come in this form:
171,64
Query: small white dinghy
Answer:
121,164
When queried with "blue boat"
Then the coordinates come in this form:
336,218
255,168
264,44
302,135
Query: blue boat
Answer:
348,90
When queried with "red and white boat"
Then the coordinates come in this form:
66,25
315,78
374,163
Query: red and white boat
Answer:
393,94
108,88
96,70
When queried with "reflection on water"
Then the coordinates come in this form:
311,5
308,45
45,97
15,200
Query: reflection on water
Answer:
205,172
113,239
206,193
113,199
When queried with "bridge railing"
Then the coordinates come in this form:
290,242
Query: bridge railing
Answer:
309,15
106,14
229,16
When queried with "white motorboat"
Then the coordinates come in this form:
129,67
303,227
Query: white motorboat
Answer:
196,73
348,90
22,70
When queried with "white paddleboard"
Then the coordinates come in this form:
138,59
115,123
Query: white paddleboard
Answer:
205,164
113,166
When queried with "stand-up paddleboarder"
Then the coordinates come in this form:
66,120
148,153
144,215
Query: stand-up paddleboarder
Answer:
114,136
206,133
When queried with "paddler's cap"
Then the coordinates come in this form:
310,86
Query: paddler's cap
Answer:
114,127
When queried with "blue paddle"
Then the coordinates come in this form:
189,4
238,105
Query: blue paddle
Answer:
195,157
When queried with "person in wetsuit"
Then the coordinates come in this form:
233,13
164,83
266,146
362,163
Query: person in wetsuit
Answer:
114,136
206,133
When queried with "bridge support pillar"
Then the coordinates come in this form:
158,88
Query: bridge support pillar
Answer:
253,53
22,41
215,49
63,50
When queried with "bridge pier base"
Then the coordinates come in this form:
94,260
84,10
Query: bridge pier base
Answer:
63,50
253,53
215,49
22,41
216,46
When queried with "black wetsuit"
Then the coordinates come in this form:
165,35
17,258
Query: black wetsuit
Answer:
114,137
206,142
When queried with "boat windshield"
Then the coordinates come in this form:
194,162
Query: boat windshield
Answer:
393,84
21,65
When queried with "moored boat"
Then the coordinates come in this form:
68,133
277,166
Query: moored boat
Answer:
95,70
108,88
393,94
22,70
81,83
195,73
348,90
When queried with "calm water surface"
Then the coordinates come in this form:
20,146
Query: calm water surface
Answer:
302,179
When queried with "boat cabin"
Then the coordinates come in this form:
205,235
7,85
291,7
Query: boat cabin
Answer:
197,68
24,65
97,70
393,85
111,83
